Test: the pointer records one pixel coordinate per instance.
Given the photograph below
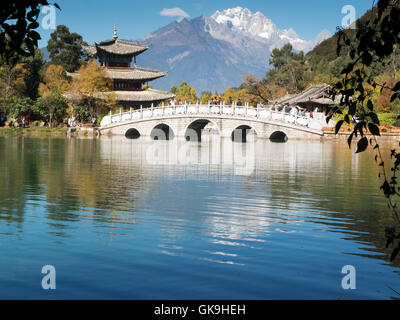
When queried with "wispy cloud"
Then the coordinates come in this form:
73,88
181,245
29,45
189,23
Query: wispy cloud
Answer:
174,12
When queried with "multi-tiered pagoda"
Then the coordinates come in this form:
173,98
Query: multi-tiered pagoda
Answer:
129,82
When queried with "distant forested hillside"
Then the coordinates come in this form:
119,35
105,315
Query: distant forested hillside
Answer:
323,58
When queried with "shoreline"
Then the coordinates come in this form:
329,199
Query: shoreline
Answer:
64,131
33,131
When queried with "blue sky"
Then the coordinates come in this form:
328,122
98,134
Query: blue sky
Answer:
95,19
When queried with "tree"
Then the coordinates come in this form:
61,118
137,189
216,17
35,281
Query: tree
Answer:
51,105
18,21
12,84
185,93
21,106
288,64
205,97
33,66
54,78
93,88
65,49
374,42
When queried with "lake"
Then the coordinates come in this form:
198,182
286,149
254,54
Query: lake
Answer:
141,219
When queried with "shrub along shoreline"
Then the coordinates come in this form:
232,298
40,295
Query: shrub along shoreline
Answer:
4,131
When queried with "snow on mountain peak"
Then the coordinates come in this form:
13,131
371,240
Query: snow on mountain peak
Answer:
244,20
257,25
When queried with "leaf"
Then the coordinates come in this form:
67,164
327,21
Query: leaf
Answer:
374,129
396,87
389,241
350,139
394,253
370,105
338,126
362,145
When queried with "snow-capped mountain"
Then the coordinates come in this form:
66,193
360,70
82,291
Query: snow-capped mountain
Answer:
242,20
213,53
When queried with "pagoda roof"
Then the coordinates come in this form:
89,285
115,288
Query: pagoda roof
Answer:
116,46
128,74
147,95
134,73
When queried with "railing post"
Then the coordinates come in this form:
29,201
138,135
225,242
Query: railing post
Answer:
141,111
110,117
130,113
120,114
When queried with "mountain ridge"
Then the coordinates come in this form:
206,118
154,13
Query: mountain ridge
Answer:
213,53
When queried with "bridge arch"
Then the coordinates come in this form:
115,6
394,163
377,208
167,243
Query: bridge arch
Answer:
194,129
132,133
278,136
162,131
244,133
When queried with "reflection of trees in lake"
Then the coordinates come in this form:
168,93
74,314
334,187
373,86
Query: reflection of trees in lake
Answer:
239,191
69,173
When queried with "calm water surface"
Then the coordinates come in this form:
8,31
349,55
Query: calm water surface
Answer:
136,219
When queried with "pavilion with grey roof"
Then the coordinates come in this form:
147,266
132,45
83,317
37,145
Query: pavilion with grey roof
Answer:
129,82
317,95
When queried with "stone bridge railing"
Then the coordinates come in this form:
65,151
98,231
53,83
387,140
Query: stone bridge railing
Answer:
263,113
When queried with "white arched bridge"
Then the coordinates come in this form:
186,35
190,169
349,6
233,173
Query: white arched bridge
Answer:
191,121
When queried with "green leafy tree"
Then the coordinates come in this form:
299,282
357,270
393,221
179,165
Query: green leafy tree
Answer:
288,66
18,21
375,41
22,106
52,107
33,66
81,113
65,49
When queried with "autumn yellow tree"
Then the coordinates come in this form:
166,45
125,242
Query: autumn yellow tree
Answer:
51,103
205,97
185,93
92,87
12,84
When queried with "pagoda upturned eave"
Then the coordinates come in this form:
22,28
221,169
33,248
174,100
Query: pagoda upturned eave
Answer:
116,46
147,95
139,74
